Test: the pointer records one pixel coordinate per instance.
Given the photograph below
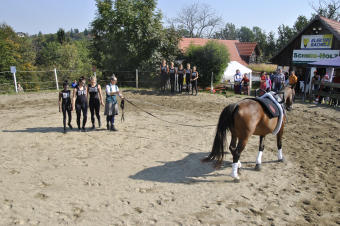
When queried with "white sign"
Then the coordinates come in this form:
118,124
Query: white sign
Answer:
316,41
301,55
13,69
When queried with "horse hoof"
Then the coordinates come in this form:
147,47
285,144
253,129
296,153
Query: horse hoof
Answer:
258,167
281,160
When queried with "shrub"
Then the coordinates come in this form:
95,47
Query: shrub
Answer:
212,57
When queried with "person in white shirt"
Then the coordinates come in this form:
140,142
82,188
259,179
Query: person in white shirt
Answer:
237,82
111,105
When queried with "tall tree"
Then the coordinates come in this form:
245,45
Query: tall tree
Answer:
229,32
61,36
199,20
300,23
246,35
329,9
285,34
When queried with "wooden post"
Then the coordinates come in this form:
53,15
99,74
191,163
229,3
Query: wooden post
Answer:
212,82
56,78
137,78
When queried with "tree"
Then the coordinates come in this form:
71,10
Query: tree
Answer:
212,57
229,32
199,20
260,38
270,48
300,23
285,34
246,35
126,33
328,9
61,36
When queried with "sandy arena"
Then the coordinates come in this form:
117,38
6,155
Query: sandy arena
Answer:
149,172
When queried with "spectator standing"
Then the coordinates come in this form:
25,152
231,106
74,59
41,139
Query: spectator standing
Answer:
279,80
237,82
245,84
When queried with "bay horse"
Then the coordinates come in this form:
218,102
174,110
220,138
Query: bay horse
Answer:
288,97
243,119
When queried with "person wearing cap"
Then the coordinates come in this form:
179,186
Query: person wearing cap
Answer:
111,105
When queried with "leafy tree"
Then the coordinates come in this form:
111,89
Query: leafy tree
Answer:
300,23
212,57
61,36
270,48
126,33
246,35
229,32
285,34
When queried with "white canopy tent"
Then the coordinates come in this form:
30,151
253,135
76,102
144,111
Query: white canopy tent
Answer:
230,71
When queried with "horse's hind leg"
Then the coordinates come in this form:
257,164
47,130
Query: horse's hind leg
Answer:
236,156
259,155
232,145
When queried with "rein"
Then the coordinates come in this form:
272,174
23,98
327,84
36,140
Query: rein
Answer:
154,116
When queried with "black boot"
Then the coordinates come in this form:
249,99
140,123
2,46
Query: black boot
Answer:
113,128
99,124
64,129
93,127
69,125
83,129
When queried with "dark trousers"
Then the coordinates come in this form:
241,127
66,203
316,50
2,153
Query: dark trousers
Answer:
81,107
172,83
194,86
180,83
187,82
164,79
94,107
110,119
66,109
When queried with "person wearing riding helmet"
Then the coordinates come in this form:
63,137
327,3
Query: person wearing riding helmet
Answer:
180,73
94,91
172,73
164,75
80,102
111,105
65,105
194,77
187,73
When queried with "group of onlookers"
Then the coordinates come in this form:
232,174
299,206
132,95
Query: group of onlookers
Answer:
171,73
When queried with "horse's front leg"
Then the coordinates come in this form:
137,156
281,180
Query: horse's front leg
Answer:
279,145
259,155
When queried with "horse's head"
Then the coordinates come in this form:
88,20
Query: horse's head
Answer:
288,98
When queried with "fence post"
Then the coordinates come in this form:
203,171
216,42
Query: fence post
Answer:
137,78
212,81
56,78
15,82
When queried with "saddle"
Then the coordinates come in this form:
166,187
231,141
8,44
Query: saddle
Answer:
269,106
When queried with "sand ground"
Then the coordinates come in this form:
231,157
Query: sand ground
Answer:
149,172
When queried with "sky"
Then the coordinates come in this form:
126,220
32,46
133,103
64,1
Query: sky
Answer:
47,16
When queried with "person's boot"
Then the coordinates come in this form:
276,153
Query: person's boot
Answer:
83,129
93,126
99,124
107,126
64,129
69,125
113,128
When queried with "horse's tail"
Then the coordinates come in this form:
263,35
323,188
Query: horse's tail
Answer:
225,122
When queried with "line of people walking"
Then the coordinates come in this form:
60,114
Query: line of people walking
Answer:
84,97
186,76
